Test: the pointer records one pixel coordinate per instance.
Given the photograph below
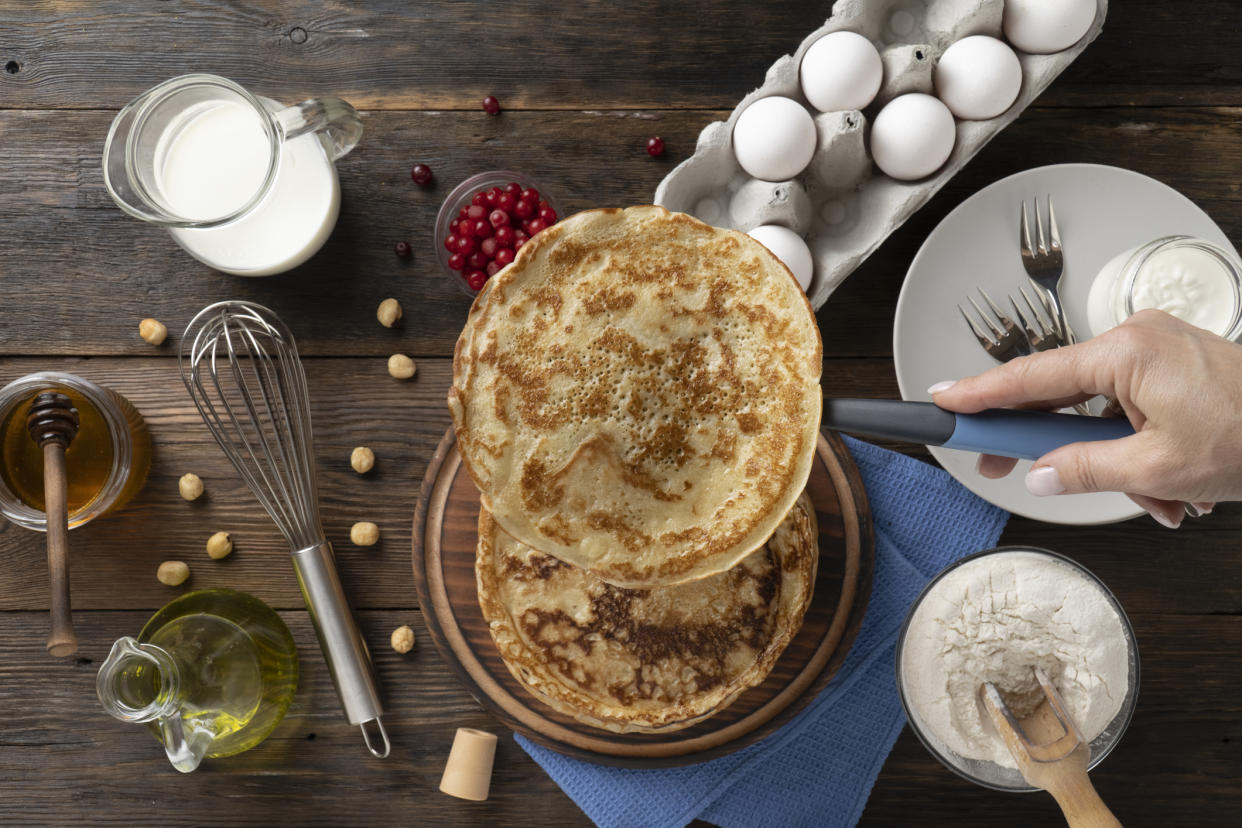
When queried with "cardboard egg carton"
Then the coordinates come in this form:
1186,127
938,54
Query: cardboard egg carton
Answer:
842,204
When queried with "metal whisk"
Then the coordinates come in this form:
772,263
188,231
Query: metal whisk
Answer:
241,367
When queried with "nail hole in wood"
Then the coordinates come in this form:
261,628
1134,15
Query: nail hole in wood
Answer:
12,67
918,54
297,34
310,737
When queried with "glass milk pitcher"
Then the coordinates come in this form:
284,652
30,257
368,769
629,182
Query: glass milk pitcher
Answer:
244,184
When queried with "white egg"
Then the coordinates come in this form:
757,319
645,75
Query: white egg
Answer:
789,247
774,138
841,70
1045,26
912,136
978,77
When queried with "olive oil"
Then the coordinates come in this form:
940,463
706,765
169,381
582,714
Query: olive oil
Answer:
237,664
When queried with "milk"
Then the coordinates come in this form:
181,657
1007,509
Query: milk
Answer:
213,159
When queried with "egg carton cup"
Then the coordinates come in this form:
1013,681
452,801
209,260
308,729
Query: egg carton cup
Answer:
841,203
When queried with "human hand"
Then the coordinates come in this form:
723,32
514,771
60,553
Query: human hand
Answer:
1181,388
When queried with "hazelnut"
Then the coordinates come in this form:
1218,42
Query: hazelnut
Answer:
388,313
401,366
152,330
219,546
362,459
364,533
403,639
190,486
173,573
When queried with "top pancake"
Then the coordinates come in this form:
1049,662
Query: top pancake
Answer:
638,395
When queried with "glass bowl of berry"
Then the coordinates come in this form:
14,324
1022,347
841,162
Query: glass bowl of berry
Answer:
483,223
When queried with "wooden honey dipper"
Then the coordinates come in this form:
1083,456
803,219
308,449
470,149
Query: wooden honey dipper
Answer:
53,423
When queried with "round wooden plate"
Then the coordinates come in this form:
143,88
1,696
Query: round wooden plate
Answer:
445,535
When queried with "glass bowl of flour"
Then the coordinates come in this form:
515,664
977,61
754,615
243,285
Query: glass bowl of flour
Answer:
994,616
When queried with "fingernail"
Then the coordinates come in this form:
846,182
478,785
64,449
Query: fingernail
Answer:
1044,481
1193,511
1205,508
979,465
945,385
1162,520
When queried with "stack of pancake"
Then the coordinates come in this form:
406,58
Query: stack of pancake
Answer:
637,398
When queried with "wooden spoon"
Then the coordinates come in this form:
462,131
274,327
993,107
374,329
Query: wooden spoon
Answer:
1051,754
53,423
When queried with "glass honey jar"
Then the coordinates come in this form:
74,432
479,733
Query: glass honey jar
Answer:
106,464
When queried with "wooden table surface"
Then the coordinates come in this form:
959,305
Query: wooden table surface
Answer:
583,85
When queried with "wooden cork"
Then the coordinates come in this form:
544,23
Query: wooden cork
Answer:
468,772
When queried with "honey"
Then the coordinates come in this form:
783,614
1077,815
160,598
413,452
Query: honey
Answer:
106,463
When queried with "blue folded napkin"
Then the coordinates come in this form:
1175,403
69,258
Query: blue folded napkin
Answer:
819,768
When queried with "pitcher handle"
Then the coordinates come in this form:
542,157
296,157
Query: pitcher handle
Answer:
337,123
185,749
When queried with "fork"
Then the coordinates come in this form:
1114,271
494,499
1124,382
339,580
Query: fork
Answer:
1040,333
1044,263
1002,339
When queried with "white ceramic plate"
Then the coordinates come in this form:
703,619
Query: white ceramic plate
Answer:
1101,211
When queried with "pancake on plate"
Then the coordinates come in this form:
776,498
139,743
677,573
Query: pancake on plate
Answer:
644,660
638,394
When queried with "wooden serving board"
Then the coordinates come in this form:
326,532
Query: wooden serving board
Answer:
445,536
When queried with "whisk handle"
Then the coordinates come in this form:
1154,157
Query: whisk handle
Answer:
349,662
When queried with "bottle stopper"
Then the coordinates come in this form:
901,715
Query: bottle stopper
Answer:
468,772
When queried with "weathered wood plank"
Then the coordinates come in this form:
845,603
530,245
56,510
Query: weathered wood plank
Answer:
387,54
100,271
355,402
1176,765
312,770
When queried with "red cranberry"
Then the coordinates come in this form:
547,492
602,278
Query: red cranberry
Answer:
536,225
421,175
491,106
506,202
466,245
514,189
548,215
403,249
524,209
463,227
655,146
482,228
498,218
477,211
520,237
476,279
477,261
456,261
503,256
461,214
530,194
493,194
489,247
450,242
480,198
503,236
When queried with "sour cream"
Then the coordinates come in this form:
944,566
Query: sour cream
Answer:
1189,278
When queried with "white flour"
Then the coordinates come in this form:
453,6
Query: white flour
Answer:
994,619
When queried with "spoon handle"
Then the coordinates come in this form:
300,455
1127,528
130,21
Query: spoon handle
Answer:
61,641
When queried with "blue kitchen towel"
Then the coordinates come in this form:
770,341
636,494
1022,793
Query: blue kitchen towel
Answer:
819,768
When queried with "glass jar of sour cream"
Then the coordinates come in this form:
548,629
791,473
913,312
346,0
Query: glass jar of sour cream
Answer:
1190,278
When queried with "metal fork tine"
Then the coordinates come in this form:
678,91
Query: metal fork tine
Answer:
1038,317
999,313
1024,230
979,335
1039,231
997,331
1031,333
1052,227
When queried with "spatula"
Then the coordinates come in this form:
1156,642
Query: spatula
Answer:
1051,753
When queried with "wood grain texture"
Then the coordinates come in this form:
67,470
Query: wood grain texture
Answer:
100,272
445,549
390,54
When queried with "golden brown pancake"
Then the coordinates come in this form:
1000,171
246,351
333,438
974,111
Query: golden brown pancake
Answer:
638,395
644,660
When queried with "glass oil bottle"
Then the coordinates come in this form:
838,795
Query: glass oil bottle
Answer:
211,674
